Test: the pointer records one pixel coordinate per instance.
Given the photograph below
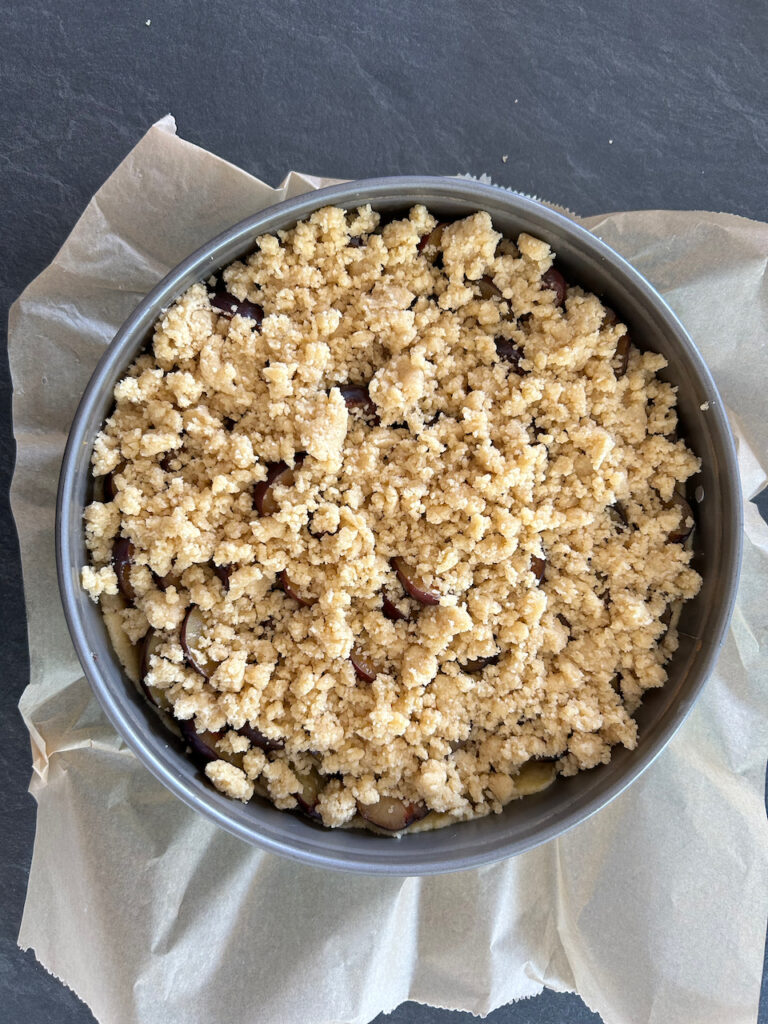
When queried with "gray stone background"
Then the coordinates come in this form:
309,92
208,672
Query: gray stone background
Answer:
599,106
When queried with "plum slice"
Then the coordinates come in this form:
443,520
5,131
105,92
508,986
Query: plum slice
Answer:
538,565
357,399
292,590
392,814
258,739
487,288
391,611
110,487
202,743
510,353
413,585
223,572
433,238
621,358
191,631
163,582
278,474
682,532
309,794
475,665
122,560
363,666
555,282
563,621
149,645
229,306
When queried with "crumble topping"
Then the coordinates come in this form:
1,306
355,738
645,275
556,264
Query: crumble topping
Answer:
394,519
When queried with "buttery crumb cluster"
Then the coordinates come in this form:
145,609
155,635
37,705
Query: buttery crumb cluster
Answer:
390,521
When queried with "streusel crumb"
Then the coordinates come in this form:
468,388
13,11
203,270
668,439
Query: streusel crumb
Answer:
396,518
229,780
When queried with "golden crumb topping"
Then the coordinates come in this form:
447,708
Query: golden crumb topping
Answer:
392,511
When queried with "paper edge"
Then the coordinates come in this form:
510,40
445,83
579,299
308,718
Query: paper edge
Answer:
588,218
31,948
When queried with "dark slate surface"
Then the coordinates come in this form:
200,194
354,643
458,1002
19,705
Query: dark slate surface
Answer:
600,106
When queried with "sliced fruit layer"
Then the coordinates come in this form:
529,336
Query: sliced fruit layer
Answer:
391,814
413,585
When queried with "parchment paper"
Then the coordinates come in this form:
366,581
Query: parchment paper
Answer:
654,910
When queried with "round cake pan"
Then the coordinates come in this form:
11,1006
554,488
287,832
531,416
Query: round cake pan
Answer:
585,260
